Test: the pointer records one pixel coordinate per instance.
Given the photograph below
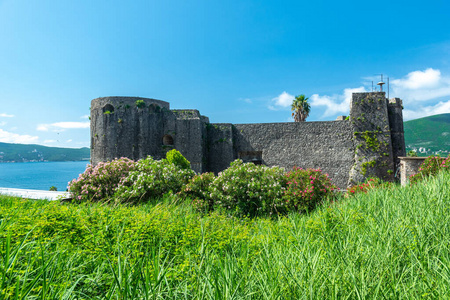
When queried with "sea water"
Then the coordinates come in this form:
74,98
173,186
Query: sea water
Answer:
40,175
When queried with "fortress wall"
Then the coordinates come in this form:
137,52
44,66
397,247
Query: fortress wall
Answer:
189,137
372,137
395,113
324,145
219,147
349,151
121,129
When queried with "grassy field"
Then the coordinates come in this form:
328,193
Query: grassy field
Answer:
390,243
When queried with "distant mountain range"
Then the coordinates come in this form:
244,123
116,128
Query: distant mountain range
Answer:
429,135
26,153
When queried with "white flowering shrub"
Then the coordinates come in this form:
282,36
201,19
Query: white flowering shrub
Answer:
152,179
249,190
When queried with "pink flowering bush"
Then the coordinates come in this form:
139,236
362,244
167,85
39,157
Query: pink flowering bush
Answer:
430,167
100,182
305,189
369,184
246,189
151,179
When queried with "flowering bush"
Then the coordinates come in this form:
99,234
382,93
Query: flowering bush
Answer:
198,189
306,188
430,167
248,189
150,179
176,158
369,184
99,182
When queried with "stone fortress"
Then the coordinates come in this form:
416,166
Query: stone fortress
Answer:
368,143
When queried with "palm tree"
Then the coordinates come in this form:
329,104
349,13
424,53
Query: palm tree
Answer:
300,108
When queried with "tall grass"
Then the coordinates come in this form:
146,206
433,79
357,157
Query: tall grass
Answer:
389,243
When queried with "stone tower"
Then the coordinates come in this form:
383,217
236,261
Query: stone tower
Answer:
136,127
377,125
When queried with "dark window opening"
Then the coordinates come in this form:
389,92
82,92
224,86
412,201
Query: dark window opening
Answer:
167,140
254,157
108,108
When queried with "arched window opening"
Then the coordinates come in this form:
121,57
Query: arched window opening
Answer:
108,109
167,140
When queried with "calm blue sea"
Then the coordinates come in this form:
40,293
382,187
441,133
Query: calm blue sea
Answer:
40,175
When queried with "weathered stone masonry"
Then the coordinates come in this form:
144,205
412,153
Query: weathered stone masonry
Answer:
367,144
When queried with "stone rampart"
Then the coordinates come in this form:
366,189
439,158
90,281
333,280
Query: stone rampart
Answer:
366,145
319,145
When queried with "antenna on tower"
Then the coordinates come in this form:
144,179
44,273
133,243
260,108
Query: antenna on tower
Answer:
381,83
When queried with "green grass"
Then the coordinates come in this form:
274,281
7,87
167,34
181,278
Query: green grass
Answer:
390,243
430,132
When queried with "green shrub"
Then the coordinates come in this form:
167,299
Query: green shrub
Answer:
430,167
176,158
100,182
305,189
248,189
150,179
140,103
198,190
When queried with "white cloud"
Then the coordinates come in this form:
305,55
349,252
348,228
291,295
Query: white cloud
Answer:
85,117
68,141
59,126
6,115
8,137
49,141
419,79
335,104
420,112
3,123
282,101
421,85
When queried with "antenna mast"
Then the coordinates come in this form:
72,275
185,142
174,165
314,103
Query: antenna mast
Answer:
381,83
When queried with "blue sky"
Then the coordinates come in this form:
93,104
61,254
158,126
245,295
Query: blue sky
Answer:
234,61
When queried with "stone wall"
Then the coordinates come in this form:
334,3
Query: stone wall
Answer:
120,128
409,166
350,151
372,137
395,108
324,145
220,152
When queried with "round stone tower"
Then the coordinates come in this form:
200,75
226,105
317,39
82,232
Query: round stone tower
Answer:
126,127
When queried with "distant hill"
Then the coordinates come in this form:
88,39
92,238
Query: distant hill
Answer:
429,135
24,153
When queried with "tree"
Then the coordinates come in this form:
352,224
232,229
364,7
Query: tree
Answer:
300,108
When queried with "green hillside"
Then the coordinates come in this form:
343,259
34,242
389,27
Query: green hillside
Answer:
430,135
23,153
